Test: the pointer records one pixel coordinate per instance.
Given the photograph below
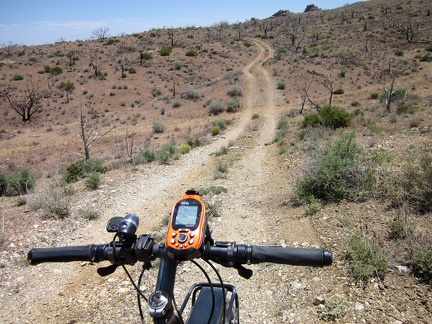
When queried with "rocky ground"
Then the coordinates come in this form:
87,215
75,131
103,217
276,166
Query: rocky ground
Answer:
251,211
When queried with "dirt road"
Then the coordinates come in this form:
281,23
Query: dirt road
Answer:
251,211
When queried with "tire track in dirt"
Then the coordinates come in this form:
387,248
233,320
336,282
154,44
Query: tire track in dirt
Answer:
150,194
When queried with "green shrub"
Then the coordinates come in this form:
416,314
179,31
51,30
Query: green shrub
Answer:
222,151
397,229
147,56
328,116
281,85
220,122
165,50
233,105
93,181
18,182
193,93
185,148
52,202
191,53
166,153
333,309
56,70
194,142
82,169
421,263
235,91
20,201
282,123
334,117
177,103
158,127
399,52
221,171
426,58
215,130
365,258
334,173
89,214
177,65
17,77
416,184
132,70
212,210
216,107
375,96
311,120
156,92
146,155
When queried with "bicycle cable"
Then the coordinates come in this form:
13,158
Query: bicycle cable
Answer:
211,287
136,287
221,283
139,296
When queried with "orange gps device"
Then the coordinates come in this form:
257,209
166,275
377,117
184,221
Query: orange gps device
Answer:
187,227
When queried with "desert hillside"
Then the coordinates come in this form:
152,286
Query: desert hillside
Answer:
303,129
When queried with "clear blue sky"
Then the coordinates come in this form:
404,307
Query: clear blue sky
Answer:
31,22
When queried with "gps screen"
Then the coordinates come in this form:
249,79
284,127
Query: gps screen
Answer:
187,216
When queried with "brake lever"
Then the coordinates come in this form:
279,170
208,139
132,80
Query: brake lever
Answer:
243,272
105,271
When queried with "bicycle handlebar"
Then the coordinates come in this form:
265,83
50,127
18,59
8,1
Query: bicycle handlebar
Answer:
225,253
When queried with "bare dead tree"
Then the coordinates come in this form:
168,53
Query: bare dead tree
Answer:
100,33
27,104
170,32
88,133
393,94
327,83
96,64
123,65
239,28
129,150
72,56
303,91
8,50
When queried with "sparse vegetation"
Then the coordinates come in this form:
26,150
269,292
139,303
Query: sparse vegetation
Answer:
216,107
83,169
368,195
235,91
221,171
329,116
233,105
93,181
365,258
337,172
52,202
280,85
158,127
193,93
215,130
18,182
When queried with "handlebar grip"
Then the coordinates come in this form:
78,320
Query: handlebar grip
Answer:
66,254
291,256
